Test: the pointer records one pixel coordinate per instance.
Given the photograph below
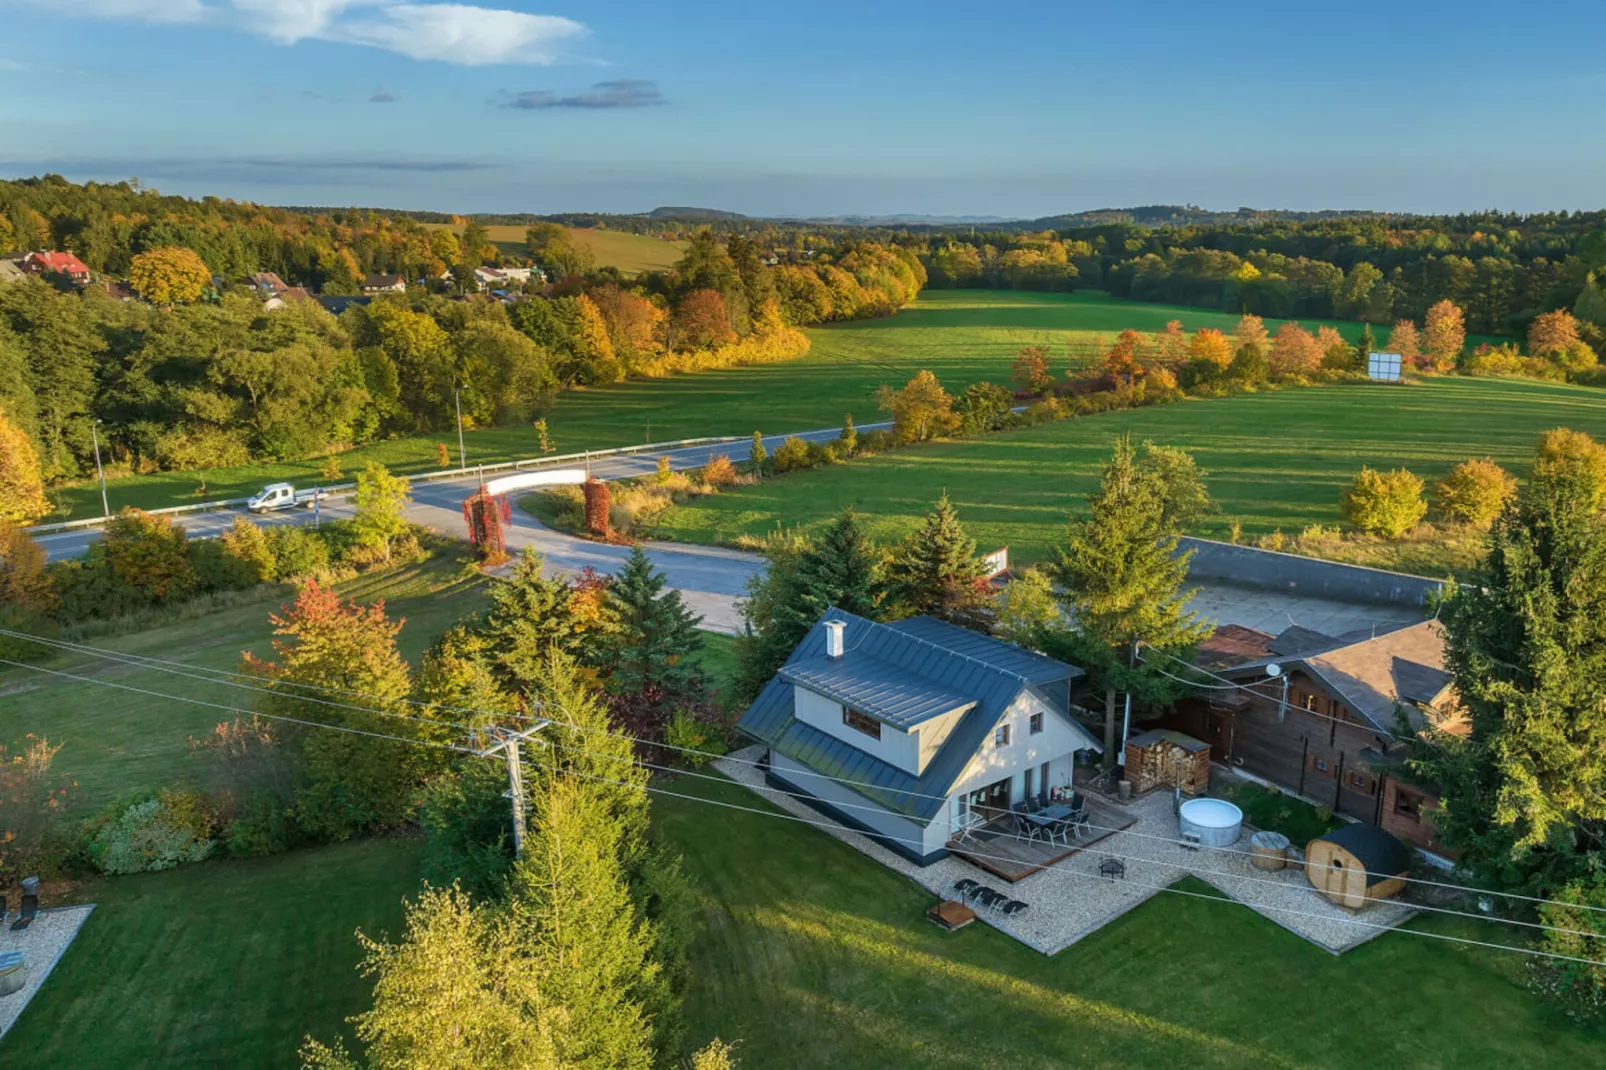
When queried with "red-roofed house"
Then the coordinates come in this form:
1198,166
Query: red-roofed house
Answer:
56,264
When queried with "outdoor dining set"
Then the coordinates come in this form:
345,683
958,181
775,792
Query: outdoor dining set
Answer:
1055,822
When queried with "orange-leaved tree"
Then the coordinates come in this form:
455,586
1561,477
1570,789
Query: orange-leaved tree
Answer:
1294,351
22,488
1552,333
169,275
921,410
1210,344
1030,370
1444,335
1405,341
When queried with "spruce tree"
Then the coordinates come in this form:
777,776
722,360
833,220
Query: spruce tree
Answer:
1524,792
759,454
936,572
1120,582
850,436
529,615
656,634
1364,349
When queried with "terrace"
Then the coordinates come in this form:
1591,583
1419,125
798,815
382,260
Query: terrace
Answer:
1013,846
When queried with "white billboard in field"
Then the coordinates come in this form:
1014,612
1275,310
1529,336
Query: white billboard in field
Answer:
1384,367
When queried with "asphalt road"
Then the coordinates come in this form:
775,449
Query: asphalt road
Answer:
710,578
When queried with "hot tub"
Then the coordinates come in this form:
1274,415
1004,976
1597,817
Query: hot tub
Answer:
1211,822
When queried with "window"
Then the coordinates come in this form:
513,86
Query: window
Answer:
1308,701
861,722
1321,765
1360,781
1035,723
1001,735
1407,803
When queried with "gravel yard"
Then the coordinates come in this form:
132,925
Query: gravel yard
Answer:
42,945
1071,899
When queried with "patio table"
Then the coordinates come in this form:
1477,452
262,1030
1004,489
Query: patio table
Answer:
1049,814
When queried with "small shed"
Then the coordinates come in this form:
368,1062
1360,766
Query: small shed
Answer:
1161,757
1355,864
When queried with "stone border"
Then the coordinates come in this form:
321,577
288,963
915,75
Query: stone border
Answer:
42,944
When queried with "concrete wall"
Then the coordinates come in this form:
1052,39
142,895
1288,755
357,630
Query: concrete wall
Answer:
1247,566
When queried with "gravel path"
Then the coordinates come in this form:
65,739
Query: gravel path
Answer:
1070,899
41,944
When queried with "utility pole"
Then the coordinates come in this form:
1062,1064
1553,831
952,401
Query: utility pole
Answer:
94,431
462,457
507,744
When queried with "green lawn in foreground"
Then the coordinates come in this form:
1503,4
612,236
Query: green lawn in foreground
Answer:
227,963
811,955
115,741
1275,460
962,335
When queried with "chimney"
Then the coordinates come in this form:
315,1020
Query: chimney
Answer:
833,637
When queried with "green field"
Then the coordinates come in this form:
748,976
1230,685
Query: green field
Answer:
811,955
628,252
962,335
227,963
1277,460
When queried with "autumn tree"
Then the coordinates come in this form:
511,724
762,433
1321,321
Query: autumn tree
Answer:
381,508
633,322
354,781
1209,344
921,410
1250,331
700,320
1405,341
1444,335
150,553
1294,351
22,488
1552,334
1336,353
1474,492
1565,455
1124,360
596,358
1387,504
27,594
1171,344
935,571
1030,371
169,275
556,249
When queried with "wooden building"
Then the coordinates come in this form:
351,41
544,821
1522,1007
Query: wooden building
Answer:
1163,757
1325,727
1356,864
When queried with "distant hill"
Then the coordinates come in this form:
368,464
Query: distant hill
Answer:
1186,215
910,220
695,215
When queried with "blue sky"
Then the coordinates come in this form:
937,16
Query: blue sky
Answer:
877,106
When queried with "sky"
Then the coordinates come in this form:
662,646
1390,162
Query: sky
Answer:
819,108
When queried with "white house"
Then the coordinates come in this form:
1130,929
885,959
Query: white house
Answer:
912,731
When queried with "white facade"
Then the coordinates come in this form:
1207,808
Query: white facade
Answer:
911,751
1023,757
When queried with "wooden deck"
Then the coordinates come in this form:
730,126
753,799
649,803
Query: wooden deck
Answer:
996,848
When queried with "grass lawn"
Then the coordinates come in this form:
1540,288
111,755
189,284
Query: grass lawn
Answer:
1276,460
227,963
628,252
811,955
116,741
962,335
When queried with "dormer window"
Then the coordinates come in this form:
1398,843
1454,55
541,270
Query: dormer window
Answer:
861,722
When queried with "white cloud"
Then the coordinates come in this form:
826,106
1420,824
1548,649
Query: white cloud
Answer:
447,32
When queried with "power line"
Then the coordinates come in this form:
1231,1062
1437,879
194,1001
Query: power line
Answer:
846,782
1090,876
234,709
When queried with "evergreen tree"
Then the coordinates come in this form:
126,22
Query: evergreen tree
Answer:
529,615
1591,304
759,454
657,635
1524,792
1365,348
850,435
1120,582
936,572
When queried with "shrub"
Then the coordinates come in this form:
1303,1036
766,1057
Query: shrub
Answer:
150,553
719,472
33,797
792,455
878,440
1387,504
699,741
247,545
849,437
1577,920
759,455
443,456
1568,454
982,407
1474,492
664,471
297,552
152,833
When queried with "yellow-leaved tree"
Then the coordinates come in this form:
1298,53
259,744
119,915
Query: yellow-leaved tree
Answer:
170,275
22,488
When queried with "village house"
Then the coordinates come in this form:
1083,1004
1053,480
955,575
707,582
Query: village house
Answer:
267,284
384,284
1325,725
56,264
11,270
918,731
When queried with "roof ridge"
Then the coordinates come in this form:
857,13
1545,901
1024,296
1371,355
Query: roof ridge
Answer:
935,646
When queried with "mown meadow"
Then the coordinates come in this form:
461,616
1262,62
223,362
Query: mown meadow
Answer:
961,335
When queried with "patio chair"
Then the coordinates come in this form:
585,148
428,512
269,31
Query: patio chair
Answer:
1013,907
1078,821
989,898
30,907
964,885
1113,868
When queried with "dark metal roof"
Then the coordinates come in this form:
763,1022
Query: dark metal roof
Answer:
875,687
1037,668
1297,639
1379,853
989,689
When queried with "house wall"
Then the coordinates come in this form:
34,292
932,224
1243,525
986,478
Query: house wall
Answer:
1417,829
906,835
901,749
1055,744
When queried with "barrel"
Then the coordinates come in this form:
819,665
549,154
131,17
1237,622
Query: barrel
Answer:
1268,850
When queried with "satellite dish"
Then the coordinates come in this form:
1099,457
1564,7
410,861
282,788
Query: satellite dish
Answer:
1274,670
